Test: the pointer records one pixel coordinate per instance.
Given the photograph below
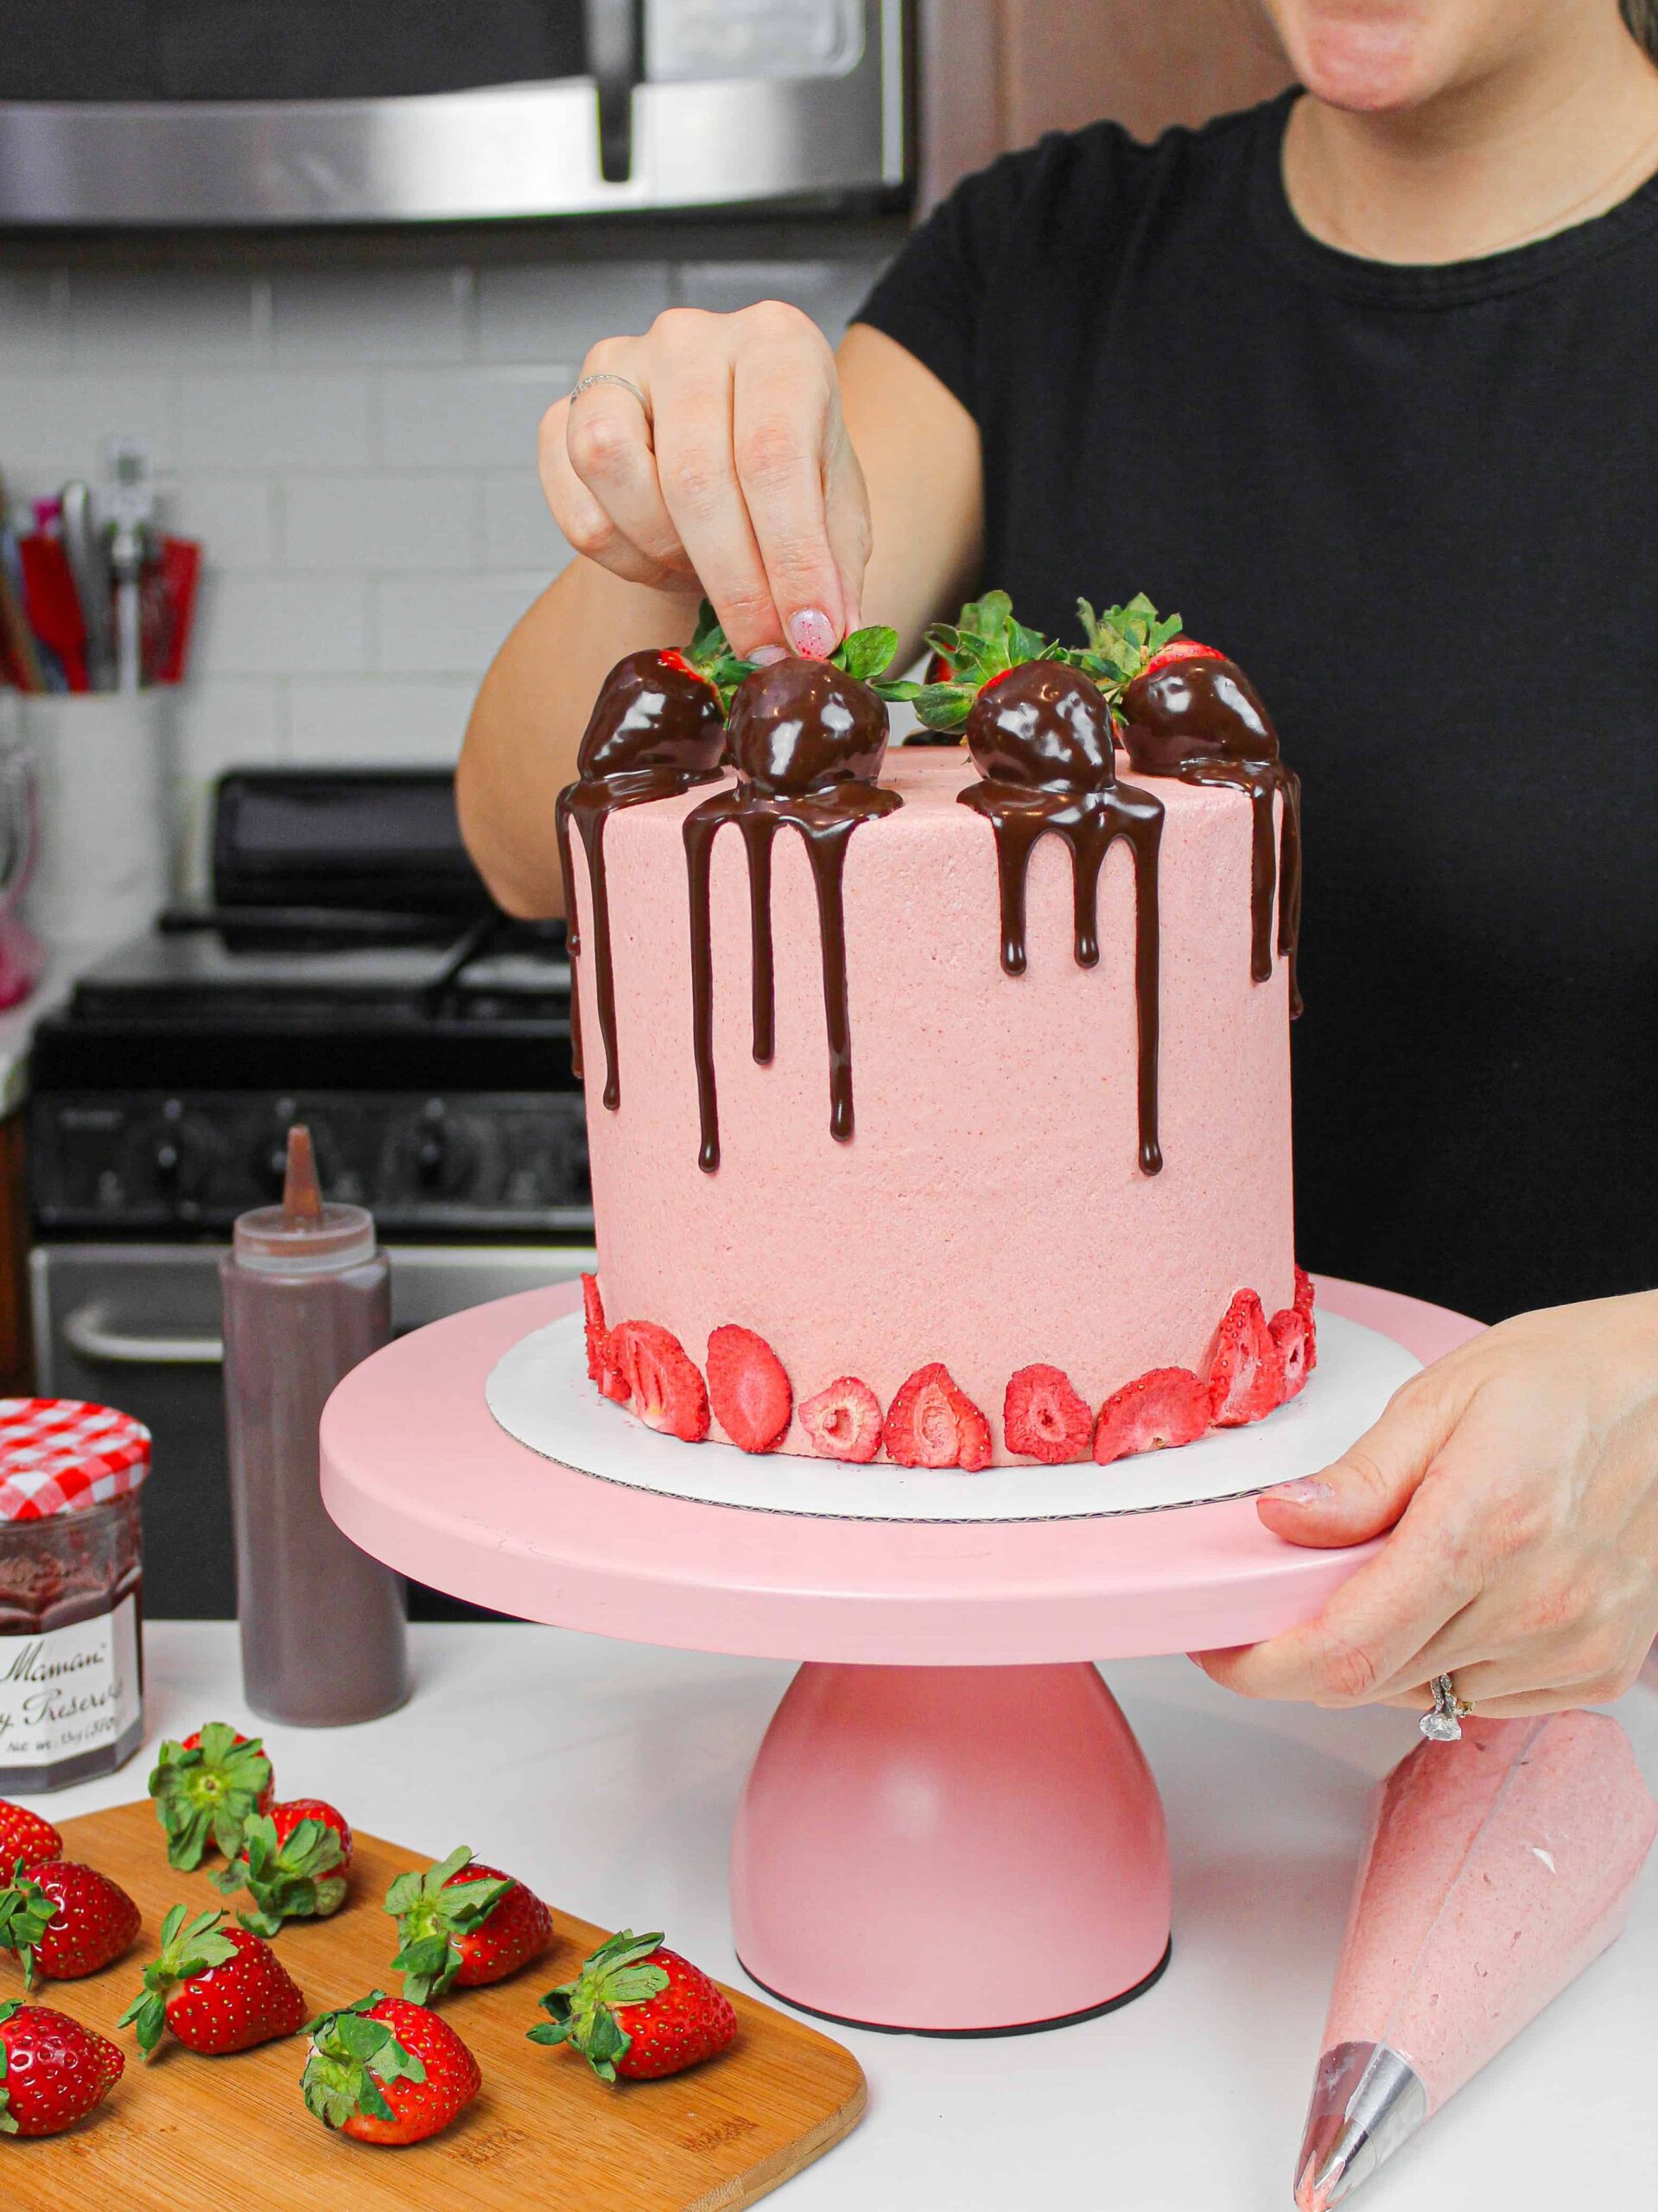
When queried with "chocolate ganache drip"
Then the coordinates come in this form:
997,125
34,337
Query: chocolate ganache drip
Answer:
1202,719
1041,736
807,741
655,730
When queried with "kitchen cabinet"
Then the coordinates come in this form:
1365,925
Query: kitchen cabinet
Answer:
997,73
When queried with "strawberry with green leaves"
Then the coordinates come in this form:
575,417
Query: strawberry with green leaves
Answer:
639,2011
53,2071
295,1863
463,1924
64,1920
207,1788
1126,642
978,650
383,2070
217,1989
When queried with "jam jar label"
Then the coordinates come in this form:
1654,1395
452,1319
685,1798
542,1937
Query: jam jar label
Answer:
67,1691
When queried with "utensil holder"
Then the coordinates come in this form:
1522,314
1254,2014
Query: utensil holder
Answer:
103,763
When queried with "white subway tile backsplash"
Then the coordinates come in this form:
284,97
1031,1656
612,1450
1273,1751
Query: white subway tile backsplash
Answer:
53,423
556,312
379,520
275,419
167,319
376,719
465,418
264,624
519,531
32,334
449,625
228,722
234,516
349,315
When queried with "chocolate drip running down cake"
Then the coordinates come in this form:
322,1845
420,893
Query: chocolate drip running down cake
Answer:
944,1107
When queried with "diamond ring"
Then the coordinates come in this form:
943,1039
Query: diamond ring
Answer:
1443,1724
607,375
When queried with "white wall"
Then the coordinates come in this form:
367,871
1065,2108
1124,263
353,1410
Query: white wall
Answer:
357,449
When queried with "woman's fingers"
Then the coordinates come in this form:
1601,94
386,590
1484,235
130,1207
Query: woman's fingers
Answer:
785,415
735,472
1365,1491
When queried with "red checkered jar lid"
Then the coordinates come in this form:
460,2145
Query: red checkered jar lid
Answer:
61,1455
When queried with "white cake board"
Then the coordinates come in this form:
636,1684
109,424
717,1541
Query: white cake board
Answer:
540,1393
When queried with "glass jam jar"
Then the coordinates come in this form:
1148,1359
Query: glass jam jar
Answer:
71,1592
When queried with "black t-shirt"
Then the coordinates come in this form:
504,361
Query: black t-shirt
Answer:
1419,506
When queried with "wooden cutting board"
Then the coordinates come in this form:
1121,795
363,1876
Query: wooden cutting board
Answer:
195,2133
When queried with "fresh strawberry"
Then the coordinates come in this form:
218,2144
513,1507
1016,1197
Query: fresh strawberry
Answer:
295,1864
25,1837
843,1421
383,2070
463,1924
206,1787
748,1388
638,2011
1305,1298
1292,1332
932,1423
65,1920
663,1387
1168,1406
1043,1417
1181,649
1245,1370
53,2071
218,1989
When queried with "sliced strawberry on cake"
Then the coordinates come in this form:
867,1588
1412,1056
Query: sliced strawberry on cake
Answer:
843,1420
664,1386
1154,1413
1043,1418
933,1423
749,1389
1292,1332
611,1383
1245,1368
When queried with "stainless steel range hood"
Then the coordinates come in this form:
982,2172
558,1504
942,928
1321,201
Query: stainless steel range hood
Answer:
685,104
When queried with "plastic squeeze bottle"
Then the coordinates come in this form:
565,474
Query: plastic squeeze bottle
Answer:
306,1293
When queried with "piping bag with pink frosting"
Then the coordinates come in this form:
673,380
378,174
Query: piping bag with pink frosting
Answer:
1497,1869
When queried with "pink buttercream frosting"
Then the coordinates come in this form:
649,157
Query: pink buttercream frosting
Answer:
1497,1869
990,1210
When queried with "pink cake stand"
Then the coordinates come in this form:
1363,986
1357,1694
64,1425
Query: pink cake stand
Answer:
950,1828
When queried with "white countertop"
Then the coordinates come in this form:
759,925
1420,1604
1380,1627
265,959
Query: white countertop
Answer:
606,1775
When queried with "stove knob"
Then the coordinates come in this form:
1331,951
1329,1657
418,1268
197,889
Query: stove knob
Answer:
168,1165
433,1153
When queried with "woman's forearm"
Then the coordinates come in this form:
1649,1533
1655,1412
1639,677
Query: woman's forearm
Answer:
528,715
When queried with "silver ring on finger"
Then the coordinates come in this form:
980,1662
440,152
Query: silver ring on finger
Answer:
1443,1724
609,375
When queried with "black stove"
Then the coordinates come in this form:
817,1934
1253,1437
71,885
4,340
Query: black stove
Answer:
351,972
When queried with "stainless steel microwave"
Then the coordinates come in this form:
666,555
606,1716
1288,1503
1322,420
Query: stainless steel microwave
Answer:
220,113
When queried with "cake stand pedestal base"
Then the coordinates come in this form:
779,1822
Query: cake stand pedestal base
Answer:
950,1849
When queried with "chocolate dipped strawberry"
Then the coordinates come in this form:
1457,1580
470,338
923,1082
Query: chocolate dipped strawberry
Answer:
1195,709
1125,642
655,711
805,726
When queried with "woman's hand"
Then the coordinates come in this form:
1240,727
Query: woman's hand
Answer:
1520,1477
731,472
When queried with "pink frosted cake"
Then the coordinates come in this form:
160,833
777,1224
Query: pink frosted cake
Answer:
938,1100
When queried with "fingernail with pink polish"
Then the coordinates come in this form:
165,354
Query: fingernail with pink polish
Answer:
1303,1493
813,634
768,656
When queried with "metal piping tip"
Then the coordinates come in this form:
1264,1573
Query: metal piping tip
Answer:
1366,2101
